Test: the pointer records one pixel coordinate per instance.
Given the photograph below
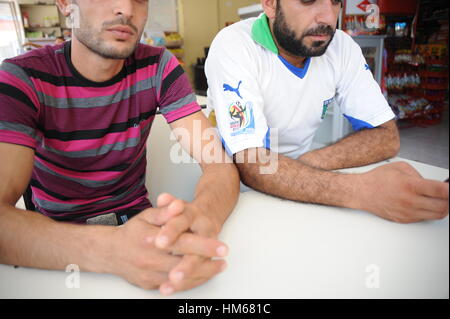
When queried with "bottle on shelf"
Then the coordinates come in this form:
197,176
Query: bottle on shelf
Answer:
26,22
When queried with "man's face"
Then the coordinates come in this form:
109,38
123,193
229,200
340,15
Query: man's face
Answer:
305,28
111,28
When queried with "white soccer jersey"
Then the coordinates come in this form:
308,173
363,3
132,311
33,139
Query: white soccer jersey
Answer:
253,90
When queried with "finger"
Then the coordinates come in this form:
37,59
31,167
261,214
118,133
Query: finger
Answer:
432,188
164,199
191,244
151,280
161,261
433,205
172,230
422,215
160,216
192,272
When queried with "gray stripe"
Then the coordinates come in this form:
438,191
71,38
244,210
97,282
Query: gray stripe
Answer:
178,104
165,58
15,127
87,183
17,71
59,207
84,182
132,142
101,101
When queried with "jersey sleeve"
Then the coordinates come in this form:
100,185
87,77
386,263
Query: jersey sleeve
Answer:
234,93
358,94
19,107
176,98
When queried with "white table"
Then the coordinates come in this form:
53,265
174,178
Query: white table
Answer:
283,249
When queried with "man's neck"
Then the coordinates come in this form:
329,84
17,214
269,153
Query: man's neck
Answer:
92,66
294,60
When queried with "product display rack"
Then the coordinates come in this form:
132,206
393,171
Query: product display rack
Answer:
42,21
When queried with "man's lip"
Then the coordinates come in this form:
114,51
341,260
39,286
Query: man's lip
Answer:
122,29
320,36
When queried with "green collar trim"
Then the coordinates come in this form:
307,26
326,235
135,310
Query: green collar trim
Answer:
261,33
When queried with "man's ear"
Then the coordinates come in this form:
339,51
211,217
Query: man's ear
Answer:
270,8
63,6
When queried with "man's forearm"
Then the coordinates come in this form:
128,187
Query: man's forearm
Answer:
217,191
296,181
29,239
359,149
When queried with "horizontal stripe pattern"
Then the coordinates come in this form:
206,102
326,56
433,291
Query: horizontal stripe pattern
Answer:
89,138
62,101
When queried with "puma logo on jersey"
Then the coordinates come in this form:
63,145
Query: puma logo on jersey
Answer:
227,87
367,66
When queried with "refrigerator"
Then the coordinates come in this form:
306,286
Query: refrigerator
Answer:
11,30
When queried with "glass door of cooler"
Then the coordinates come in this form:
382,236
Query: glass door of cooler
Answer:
334,127
10,35
372,47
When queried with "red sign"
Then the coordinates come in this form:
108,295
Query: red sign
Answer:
363,5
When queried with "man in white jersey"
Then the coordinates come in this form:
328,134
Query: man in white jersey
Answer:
280,72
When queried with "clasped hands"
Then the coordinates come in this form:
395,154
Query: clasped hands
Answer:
172,247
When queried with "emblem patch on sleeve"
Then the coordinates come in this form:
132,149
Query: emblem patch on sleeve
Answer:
242,120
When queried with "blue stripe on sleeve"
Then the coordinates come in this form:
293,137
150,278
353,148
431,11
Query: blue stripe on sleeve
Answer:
358,125
226,148
267,139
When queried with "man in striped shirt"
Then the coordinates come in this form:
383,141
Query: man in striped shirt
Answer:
74,121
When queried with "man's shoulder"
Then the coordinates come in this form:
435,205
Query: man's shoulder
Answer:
144,51
341,42
237,33
42,58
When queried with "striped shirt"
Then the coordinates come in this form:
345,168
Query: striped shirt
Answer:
89,137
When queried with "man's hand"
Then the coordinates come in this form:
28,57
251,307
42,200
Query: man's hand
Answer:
184,217
134,256
398,193
179,220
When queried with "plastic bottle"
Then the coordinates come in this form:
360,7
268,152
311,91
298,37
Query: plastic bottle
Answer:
26,23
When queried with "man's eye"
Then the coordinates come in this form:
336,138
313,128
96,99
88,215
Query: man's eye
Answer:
335,2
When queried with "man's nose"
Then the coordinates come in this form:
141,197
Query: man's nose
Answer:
123,7
327,12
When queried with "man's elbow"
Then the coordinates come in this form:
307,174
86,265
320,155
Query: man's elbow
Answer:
245,162
392,145
395,147
244,174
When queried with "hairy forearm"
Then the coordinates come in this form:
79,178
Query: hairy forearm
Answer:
295,181
217,191
29,239
358,149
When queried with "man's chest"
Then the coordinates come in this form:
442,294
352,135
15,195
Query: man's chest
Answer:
86,123
293,103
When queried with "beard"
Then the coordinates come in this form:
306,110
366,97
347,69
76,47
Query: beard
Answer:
288,41
90,38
